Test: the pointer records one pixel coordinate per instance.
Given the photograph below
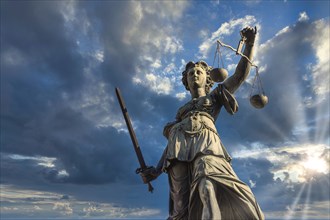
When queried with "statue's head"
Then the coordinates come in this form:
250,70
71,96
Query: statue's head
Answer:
203,69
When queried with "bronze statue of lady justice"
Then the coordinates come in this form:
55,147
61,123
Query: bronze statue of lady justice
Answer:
202,183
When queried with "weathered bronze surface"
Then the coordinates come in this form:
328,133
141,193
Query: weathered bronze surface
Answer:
202,183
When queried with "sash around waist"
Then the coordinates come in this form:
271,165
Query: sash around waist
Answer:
196,113
194,122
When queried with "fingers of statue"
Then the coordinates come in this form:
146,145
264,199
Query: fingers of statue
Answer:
249,33
149,174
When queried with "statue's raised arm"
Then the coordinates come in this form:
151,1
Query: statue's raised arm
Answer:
243,67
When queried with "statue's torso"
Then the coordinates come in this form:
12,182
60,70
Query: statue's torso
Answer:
195,132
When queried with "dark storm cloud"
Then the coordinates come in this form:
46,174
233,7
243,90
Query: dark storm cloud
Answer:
87,154
35,118
38,62
256,170
35,31
43,78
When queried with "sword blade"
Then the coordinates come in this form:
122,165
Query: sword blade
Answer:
136,145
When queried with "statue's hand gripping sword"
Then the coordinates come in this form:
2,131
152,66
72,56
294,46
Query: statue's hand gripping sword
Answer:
137,149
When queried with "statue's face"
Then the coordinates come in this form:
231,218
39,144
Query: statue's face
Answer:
196,78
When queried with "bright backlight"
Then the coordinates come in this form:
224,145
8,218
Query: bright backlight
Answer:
316,164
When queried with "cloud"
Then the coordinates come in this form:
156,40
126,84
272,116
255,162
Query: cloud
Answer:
62,129
82,152
293,100
225,29
137,47
289,199
292,163
38,50
320,70
63,208
303,17
66,105
36,203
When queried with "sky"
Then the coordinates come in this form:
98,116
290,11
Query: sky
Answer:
65,150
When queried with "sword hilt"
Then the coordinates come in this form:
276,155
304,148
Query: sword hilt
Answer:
140,170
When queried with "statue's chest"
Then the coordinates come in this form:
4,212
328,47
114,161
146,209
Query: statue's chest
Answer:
202,104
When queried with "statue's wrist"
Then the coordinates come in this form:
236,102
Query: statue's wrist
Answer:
250,42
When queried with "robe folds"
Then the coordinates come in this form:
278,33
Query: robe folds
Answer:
195,153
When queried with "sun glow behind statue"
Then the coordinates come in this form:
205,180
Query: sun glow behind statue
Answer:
295,163
316,164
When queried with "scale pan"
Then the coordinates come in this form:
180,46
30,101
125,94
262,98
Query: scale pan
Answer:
259,100
218,74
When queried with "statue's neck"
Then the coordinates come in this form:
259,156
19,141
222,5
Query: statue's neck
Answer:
198,92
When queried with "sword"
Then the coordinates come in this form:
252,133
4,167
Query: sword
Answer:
137,149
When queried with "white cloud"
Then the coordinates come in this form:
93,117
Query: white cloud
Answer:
140,31
231,67
225,29
156,64
35,203
37,207
172,45
157,84
41,161
10,193
63,173
203,33
99,55
181,95
253,184
166,9
170,68
160,85
5,209
156,45
63,207
303,17
72,16
281,32
320,43
114,211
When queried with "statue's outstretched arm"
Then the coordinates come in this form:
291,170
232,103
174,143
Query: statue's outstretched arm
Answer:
243,68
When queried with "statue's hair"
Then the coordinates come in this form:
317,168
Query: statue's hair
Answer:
203,65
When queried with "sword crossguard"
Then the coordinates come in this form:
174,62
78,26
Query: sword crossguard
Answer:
140,170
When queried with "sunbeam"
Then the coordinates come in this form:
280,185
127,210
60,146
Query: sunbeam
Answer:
292,208
322,125
273,126
307,201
